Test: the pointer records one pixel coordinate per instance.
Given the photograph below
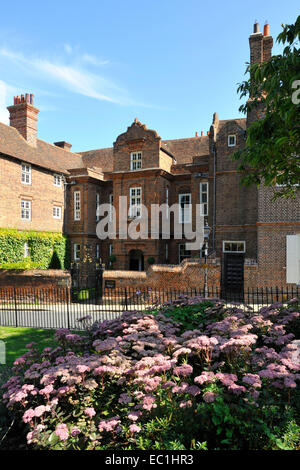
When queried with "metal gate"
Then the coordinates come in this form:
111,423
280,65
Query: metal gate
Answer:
233,276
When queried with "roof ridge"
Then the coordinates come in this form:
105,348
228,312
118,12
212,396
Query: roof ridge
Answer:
186,138
59,148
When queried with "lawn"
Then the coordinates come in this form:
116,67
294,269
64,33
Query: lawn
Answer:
15,340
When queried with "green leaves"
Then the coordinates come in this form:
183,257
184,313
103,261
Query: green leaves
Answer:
46,249
273,142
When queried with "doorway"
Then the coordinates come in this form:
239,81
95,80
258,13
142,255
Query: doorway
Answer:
136,260
233,276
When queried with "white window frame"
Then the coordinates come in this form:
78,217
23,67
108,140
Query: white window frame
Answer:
234,242
97,206
228,140
111,205
179,252
77,205
25,209
135,161
76,249
56,212
26,250
135,202
25,173
110,252
110,249
167,203
57,180
204,205
185,213
97,251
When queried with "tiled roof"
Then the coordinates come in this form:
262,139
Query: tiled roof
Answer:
241,122
185,149
44,155
182,149
101,158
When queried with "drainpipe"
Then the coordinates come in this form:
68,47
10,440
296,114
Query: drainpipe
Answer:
214,200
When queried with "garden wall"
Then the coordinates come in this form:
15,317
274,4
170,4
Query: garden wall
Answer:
48,280
188,275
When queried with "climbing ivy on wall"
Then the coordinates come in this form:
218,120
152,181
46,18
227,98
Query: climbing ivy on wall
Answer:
48,250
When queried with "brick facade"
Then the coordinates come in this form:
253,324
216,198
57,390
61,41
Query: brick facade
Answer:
169,168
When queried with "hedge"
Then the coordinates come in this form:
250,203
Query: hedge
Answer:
48,250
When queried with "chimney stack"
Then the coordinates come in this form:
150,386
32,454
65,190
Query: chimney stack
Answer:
260,44
23,116
63,144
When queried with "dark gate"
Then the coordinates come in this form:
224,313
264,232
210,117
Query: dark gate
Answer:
86,284
233,276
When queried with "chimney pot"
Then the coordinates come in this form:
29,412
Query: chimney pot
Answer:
31,98
201,133
267,29
27,98
196,135
256,27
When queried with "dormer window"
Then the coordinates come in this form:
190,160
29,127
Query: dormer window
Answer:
232,140
135,160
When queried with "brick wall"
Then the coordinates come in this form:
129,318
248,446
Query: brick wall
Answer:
50,280
41,192
188,275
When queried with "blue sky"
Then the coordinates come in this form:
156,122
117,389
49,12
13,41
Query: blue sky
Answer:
94,66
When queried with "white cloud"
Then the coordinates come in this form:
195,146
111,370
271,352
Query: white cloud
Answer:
4,115
74,77
91,59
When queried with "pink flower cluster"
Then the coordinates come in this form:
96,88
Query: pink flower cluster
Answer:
144,360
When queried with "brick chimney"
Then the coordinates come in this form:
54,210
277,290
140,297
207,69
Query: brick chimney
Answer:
260,51
256,45
260,44
63,144
267,43
23,116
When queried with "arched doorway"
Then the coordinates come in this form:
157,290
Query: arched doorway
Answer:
136,260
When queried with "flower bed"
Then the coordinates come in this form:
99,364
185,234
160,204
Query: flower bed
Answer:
143,381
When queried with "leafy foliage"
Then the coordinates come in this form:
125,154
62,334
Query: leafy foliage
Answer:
47,250
273,142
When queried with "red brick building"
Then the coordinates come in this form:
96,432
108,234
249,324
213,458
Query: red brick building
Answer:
254,241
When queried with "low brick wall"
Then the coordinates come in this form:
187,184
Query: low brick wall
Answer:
51,280
188,275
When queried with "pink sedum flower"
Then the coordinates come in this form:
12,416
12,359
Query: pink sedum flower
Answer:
62,432
90,412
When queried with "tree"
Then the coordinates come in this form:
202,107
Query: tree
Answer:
272,149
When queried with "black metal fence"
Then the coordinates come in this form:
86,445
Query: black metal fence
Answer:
65,308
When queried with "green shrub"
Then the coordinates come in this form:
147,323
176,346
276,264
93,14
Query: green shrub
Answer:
26,264
47,250
189,316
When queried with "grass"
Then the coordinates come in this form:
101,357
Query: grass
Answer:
15,340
